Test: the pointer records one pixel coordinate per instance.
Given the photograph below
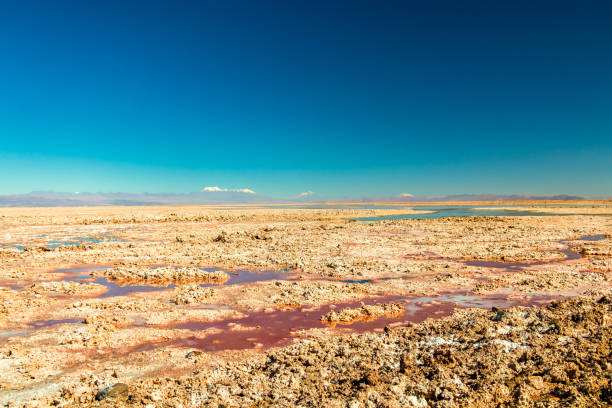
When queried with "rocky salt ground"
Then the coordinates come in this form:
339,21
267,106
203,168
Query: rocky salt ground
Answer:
364,312
67,329
556,356
163,275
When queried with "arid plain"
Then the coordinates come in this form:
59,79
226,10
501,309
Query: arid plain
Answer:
243,306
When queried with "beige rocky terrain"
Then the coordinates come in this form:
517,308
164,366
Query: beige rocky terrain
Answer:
557,356
163,275
202,306
363,312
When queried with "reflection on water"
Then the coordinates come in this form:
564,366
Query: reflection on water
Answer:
117,289
270,329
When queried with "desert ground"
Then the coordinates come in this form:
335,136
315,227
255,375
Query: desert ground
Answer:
243,306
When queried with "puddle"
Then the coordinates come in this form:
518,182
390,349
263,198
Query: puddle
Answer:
114,289
36,325
598,237
514,266
18,246
246,276
500,264
13,287
279,327
266,329
358,281
81,269
81,277
75,242
40,324
63,240
361,281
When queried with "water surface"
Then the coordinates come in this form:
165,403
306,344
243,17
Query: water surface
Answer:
463,211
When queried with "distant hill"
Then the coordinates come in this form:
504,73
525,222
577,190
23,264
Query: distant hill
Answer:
461,197
57,199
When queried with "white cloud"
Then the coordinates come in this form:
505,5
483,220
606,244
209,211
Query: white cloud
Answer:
406,195
306,194
215,189
209,189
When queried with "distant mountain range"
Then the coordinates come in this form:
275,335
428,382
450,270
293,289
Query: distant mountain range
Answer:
223,196
461,197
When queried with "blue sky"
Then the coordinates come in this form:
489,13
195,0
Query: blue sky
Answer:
341,98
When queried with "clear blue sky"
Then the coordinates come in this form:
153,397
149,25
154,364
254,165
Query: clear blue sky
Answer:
342,98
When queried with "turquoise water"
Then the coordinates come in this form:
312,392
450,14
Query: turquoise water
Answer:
72,242
461,211
76,241
335,207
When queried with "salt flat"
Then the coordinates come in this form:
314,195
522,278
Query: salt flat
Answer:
247,306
